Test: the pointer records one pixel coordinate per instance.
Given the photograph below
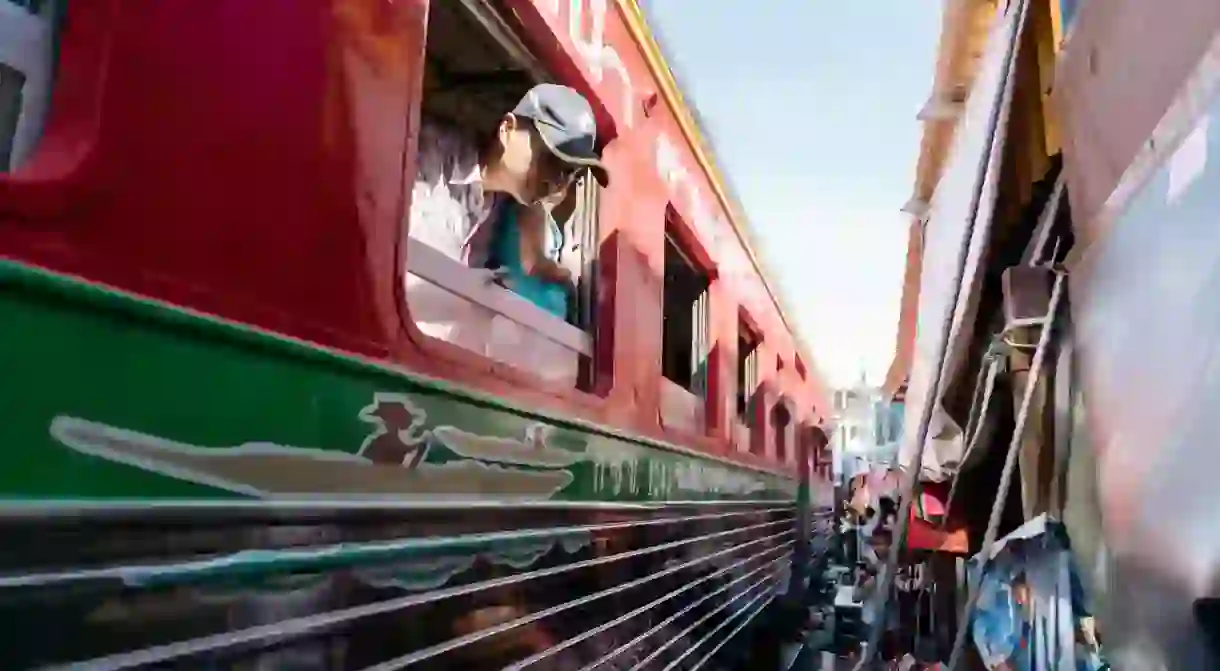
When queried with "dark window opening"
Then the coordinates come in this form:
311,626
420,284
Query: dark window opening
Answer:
781,419
473,76
747,372
27,69
685,341
11,84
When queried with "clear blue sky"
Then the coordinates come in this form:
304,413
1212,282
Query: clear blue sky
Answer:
811,108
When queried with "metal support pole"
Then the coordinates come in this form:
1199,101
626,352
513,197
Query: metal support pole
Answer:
911,476
1010,461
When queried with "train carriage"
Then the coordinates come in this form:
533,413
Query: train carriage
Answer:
240,431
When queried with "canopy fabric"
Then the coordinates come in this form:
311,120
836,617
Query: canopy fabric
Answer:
947,229
928,528
925,530
929,536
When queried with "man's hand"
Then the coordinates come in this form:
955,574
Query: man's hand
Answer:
560,274
492,275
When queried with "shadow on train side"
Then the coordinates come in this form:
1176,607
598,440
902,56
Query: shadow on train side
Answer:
501,589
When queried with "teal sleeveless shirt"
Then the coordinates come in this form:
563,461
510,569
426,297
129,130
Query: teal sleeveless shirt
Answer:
506,250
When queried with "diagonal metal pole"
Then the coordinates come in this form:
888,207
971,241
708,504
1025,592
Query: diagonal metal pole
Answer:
1010,462
911,477
987,374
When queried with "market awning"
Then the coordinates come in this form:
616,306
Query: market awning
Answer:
928,528
960,214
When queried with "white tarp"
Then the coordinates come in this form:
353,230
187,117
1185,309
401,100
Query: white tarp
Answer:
948,223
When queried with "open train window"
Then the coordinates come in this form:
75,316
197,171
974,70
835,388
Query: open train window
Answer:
747,371
748,341
781,421
685,334
476,70
685,327
28,29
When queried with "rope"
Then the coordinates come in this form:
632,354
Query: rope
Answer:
1002,345
1010,461
994,361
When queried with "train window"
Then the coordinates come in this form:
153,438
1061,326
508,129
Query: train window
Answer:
27,64
781,421
12,81
581,238
476,70
747,383
685,336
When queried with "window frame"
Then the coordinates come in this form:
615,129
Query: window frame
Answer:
700,398
784,449
744,403
441,270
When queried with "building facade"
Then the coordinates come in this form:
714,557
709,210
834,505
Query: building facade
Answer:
867,429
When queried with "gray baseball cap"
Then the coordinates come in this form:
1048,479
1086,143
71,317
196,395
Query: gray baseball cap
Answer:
566,123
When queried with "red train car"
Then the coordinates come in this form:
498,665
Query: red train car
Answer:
231,302
205,171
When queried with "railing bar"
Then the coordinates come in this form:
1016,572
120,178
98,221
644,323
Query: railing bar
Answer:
22,510
437,268
646,607
265,635
474,637
669,620
698,665
378,551
707,616
723,623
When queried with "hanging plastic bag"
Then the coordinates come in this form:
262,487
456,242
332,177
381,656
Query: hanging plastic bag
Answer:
1030,614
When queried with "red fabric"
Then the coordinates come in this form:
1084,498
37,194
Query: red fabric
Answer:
932,498
926,532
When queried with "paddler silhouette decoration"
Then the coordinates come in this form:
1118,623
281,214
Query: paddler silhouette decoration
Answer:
399,436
